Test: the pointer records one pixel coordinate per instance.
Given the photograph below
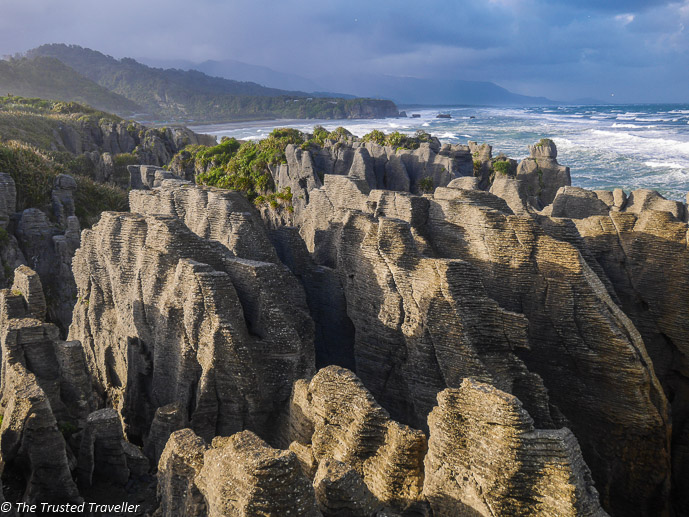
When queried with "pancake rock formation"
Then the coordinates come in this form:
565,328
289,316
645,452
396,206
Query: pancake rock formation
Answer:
427,332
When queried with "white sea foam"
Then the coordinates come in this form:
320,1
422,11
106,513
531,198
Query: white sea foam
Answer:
667,165
632,126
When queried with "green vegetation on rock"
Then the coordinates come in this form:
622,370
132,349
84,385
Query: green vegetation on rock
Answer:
477,167
544,142
34,172
397,139
505,167
244,166
375,136
426,185
37,121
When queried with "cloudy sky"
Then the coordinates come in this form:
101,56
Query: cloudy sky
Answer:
637,50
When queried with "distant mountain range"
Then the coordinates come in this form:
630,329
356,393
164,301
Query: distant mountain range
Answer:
226,90
124,86
402,90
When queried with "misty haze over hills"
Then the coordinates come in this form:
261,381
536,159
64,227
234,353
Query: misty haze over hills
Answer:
402,90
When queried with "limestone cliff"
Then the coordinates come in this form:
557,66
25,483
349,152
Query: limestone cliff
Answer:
167,316
499,344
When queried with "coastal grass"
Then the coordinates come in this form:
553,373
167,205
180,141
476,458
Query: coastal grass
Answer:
34,170
38,121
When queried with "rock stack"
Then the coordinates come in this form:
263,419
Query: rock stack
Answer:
505,345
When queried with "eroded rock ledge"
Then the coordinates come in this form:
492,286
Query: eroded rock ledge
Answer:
507,345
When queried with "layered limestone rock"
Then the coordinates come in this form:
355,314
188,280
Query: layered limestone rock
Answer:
645,199
147,176
374,165
28,284
470,289
43,390
219,215
102,453
486,458
574,329
529,318
49,248
166,316
577,203
180,463
243,476
540,176
30,442
397,295
166,421
104,168
236,476
334,417
340,491
63,198
645,256
11,256
155,146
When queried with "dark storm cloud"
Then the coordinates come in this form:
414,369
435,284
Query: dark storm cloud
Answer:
562,49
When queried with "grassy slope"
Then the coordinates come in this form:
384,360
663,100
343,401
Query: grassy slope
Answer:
49,78
26,132
33,121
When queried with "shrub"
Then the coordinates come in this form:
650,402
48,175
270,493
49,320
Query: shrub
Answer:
92,198
426,185
396,139
504,167
244,166
543,142
339,133
477,167
375,136
320,134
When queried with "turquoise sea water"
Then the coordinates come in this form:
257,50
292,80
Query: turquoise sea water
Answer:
627,146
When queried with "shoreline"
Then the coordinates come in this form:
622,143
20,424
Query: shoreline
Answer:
281,122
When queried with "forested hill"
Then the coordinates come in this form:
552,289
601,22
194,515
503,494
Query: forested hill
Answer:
49,78
194,96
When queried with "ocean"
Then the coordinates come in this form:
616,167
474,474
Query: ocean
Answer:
606,147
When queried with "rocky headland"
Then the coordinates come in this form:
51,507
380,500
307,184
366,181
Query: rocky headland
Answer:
419,331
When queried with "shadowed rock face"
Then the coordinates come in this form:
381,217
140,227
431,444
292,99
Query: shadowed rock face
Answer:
647,260
40,385
465,288
166,316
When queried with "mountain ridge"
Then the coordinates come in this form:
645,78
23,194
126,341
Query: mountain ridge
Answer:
178,95
26,78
